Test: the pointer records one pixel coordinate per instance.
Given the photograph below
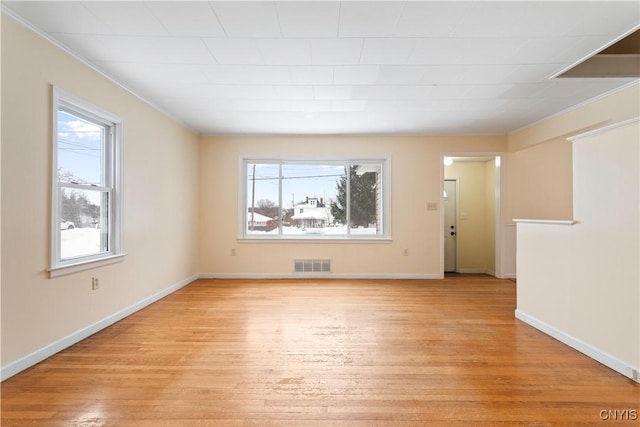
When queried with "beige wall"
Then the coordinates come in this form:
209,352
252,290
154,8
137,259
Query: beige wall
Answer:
490,216
581,282
160,200
538,168
416,164
476,215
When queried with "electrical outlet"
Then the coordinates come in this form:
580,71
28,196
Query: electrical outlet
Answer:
233,251
95,283
406,252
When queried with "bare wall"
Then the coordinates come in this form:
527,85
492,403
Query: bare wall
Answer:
416,171
160,200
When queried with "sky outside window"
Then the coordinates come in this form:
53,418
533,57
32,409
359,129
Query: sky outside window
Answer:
79,150
299,181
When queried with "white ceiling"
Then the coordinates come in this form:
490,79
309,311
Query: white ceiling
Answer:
349,67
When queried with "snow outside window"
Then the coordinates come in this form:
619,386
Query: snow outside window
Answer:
86,192
311,200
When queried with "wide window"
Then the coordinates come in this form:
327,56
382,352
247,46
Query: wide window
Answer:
310,199
86,201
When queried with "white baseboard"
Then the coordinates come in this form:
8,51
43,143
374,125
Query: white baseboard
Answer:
476,271
588,350
49,350
319,276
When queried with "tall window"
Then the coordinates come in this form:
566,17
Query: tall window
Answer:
86,192
304,199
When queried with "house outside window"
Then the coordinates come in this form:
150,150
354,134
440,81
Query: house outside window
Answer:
337,199
87,193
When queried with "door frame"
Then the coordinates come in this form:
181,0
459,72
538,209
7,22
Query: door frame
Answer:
499,268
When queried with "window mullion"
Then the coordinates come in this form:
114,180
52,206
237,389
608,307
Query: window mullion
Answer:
280,210
348,199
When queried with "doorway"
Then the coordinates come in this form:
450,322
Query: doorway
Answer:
471,208
450,225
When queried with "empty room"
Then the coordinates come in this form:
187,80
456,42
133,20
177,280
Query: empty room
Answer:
320,213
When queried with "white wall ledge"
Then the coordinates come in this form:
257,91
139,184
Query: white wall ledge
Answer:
546,221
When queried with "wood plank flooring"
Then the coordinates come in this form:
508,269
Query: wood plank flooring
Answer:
322,353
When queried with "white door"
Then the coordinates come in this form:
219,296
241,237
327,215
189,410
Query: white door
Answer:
450,228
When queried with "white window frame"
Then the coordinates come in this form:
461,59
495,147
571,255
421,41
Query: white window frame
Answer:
112,163
385,178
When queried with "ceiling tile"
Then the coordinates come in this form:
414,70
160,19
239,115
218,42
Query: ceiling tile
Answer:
316,106
387,50
332,92
369,19
448,91
356,74
181,18
285,51
410,105
467,74
430,19
391,92
248,19
514,19
294,92
436,51
59,17
127,18
466,105
245,74
158,73
401,74
252,91
352,105
311,75
234,51
336,51
308,19
143,49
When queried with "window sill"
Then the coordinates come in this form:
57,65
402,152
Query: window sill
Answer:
84,265
314,239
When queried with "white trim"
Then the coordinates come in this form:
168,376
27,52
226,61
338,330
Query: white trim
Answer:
243,163
111,182
604,129
4,9
49,350
545,221
85,265
594,53
371,276
577,106
584,348
476,271
317,238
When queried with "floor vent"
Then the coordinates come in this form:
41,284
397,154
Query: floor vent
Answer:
312,266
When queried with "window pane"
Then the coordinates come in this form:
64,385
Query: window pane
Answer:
262,199
310,191
80,145
83,222
365,199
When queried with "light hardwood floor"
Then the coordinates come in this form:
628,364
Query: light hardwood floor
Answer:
321,353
